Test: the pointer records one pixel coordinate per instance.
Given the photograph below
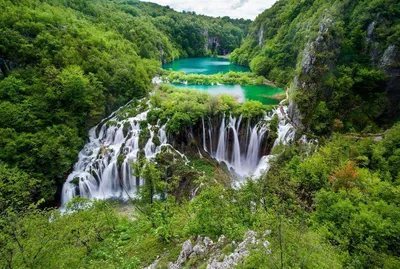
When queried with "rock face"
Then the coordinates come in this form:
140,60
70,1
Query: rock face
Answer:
212,43
390,64
187,249
295,115
206,249
242,251
389,58
312,67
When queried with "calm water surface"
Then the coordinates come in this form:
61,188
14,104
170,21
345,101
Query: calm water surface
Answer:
206,66
262,93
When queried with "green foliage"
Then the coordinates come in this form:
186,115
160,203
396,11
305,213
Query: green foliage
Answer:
187,33
293,247
337,65
215,214
39,238
144,135
337,207
18,189
251,110
237,78
65,65
153,185
185,108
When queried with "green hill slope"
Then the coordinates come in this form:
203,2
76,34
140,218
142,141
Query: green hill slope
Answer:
340,57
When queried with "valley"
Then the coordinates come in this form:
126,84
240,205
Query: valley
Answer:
136,136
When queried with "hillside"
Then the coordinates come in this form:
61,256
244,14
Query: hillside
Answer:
340,59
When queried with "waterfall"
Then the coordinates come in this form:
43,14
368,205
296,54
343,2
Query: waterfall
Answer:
286,131
242,151
97,173
221,148
260,35
210,136
236,145
253,152
104,171
204,135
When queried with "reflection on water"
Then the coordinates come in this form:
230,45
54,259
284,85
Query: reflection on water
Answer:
236,91
263,93
194,70
205,66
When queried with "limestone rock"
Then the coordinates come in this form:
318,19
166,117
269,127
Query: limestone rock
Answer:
389,57
242,251
187,249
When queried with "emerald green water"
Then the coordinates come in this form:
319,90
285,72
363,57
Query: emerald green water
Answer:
241,93
206,66
262,93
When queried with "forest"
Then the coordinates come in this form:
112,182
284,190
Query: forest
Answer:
68,64
344,51
75,70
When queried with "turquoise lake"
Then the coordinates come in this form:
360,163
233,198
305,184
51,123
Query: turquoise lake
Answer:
262,93
206,66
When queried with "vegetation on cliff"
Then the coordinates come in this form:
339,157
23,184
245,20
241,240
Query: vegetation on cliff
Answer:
340,58
183,108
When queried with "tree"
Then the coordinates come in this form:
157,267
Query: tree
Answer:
346,178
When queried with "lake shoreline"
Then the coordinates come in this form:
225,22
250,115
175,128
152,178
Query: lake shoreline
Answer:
219,76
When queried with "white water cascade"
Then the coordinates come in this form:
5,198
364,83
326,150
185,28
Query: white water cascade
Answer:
96,174
104,171
241,150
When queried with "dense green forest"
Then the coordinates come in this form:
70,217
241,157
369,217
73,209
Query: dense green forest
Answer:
330,198
338,57
68,64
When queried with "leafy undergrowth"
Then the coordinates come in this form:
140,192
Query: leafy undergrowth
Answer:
337,207
183,108
237,78
132,245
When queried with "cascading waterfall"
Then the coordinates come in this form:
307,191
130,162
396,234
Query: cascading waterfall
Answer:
286,131
97,174
243,154
204,135
103,169
221,148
